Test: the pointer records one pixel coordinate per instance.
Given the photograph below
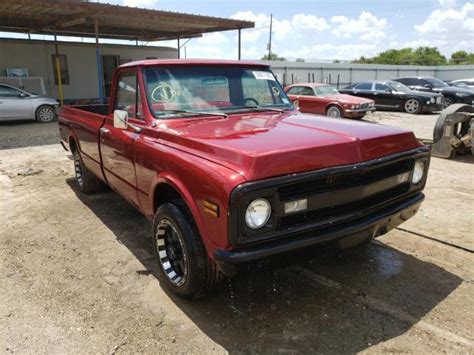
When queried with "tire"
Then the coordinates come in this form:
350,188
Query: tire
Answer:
86,181
45,114
440,122
448,101
334,111
183,265
412,106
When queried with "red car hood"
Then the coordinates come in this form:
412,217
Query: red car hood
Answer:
353,100
261,145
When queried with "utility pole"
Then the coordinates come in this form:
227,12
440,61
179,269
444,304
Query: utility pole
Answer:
270,39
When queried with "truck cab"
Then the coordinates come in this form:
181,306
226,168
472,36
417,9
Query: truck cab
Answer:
216,155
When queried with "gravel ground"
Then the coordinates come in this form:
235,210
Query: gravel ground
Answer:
77,274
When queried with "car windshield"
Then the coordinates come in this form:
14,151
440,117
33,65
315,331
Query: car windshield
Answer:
325,90
396,86
171,91
436,83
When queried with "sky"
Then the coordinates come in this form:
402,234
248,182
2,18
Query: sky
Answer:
326,30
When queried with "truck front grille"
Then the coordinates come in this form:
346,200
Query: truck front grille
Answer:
341,181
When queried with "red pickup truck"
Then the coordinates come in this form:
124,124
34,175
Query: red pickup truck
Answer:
217,156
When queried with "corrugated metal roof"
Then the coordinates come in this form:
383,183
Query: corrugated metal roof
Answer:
77,18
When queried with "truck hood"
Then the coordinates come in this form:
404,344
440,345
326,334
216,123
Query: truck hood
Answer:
262,145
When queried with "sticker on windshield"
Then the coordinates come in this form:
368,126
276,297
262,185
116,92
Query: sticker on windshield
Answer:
263,75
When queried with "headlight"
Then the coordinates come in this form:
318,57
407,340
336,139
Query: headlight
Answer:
460,94
418,172
433,100
257,214
353,107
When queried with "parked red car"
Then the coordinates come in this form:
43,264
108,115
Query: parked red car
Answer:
214,153
323,99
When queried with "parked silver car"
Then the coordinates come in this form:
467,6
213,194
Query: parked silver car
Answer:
17,104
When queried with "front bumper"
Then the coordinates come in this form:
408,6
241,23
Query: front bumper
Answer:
361,110
433,107
370,226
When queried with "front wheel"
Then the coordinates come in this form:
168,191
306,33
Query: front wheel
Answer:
334,111
448,102
45,114
412,106
184,266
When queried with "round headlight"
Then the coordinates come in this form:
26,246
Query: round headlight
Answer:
257,214
418,172
433,100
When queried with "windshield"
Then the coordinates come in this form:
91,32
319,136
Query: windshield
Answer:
325,90
436,83
396,86
211,89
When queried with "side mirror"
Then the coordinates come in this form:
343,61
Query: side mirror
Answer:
388,90
22,95
428,86
120,119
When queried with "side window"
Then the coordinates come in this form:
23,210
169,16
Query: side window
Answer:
364,86
127,95
295,90
6,91
307,91
409,82
381,87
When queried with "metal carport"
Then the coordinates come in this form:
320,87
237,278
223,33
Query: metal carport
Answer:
87,19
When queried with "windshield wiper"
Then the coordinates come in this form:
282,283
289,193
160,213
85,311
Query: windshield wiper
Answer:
264,108
198,113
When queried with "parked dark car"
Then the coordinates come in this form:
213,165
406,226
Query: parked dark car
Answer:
463,83
452,94
391,95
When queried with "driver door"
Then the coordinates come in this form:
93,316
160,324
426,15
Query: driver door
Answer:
118,145
13,105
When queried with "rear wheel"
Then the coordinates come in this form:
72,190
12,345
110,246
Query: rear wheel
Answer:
86,181
45,114
334,111
184,266
412,106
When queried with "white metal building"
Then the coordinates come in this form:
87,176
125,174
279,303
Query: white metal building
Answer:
79,72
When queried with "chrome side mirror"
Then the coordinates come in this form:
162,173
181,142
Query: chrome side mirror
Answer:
120,119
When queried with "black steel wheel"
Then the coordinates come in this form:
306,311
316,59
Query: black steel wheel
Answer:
184,266
86,181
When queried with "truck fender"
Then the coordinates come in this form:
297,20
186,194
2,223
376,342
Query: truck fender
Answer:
173,181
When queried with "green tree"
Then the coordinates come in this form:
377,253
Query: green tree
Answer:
408,56
299,60
461,57
273,56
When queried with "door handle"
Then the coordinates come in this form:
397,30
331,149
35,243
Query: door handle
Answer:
104,130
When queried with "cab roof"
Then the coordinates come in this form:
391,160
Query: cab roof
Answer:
194,62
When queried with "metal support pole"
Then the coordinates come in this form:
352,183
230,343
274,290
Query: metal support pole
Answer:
179,48
58,70
100,73
240,44
270,39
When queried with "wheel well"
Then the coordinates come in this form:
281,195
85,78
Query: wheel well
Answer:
72,144
164,193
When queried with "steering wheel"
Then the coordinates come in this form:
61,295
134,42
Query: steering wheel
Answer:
251,99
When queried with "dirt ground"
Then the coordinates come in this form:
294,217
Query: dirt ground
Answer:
77,273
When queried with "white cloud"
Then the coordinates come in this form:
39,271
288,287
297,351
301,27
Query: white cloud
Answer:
449,29
366,27
309,23
139,3
447,3
329,51
449,20
214,38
